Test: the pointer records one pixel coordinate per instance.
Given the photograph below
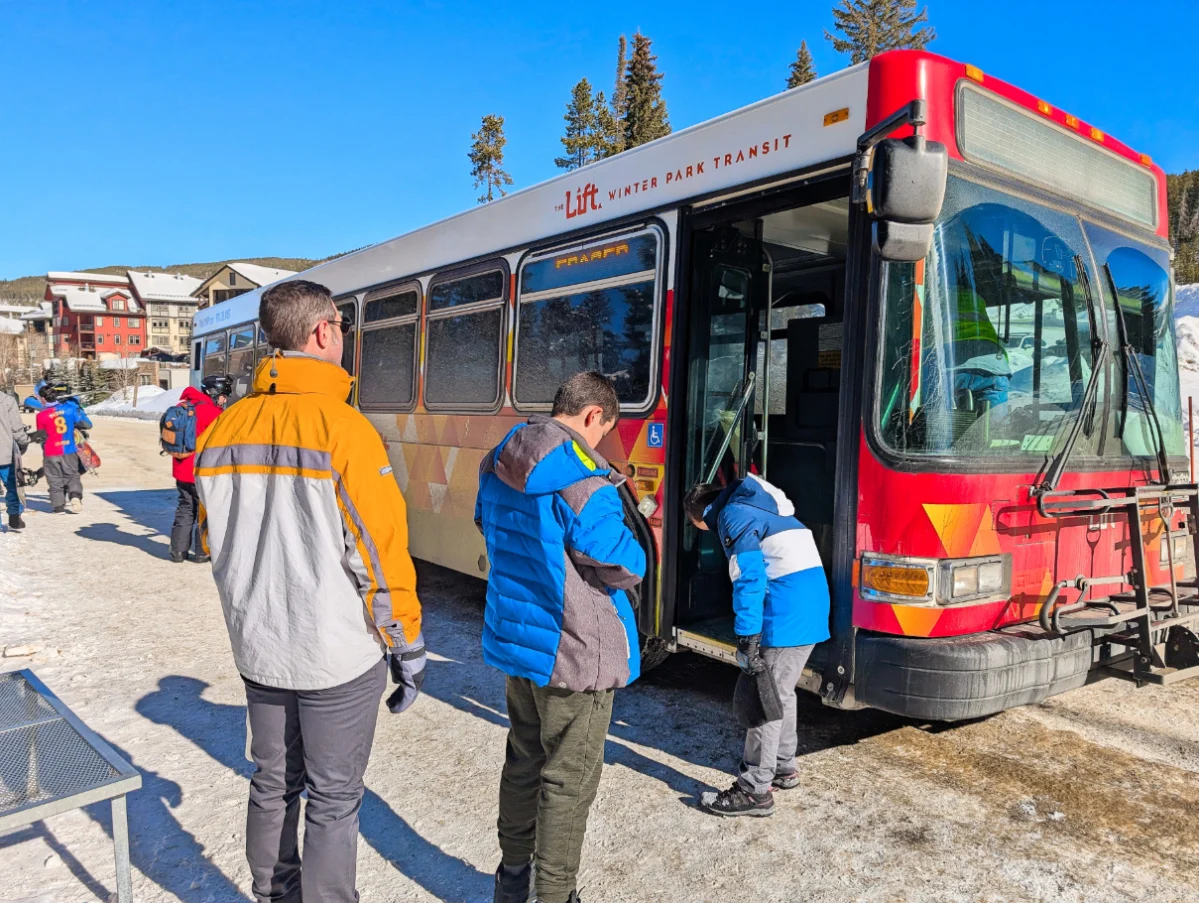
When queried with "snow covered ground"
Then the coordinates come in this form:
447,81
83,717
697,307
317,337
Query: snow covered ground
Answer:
1090,797
152,403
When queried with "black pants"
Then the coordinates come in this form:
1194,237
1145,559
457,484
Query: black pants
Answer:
185,519
62,478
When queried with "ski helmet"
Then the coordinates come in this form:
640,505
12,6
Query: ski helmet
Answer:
215,386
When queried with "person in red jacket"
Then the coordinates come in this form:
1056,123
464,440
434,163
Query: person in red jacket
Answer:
209,400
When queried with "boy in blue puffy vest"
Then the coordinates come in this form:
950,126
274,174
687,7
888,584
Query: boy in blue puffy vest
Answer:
559,624
780,607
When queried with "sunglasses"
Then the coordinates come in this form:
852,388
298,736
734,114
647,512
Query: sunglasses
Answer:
343,324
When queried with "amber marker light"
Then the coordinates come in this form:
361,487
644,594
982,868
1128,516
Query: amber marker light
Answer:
896,580
975,73
1146,160
1072,121
1044,108
1096,135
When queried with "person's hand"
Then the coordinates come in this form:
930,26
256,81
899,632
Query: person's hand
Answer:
407,664
749,654
38,436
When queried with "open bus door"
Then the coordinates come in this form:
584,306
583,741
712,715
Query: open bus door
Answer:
730,292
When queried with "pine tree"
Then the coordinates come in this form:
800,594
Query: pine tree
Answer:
609,135
580,138
487,158
871,27
620,96
645,116
1182,193
802,70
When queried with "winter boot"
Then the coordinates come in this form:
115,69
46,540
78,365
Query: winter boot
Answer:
178,559
736,801
513,887
202,558
15,522
60,509
75,505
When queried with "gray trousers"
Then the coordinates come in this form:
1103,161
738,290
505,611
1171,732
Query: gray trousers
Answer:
770,749
319,741
62,478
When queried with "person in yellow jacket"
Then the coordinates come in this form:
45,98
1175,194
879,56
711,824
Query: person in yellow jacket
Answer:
308,536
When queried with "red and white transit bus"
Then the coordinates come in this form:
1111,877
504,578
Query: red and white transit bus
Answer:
954,353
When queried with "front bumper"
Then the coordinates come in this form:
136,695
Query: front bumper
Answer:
957,678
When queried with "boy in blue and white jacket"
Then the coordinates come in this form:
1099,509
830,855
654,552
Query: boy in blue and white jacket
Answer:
781,610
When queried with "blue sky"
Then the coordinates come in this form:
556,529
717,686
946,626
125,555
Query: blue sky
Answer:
171,132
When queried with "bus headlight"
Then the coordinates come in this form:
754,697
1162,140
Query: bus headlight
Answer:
975,579
930,581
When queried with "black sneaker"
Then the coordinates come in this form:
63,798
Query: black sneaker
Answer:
735,801
60,509
202,558
511,888
178,559
786,780
15,522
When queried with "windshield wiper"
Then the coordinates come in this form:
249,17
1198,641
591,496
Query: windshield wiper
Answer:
1132,367
1099,350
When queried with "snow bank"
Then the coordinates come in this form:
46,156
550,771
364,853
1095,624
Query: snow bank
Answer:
1186,300
152,401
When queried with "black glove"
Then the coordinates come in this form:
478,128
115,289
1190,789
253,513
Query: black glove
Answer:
38,436
749,654
407,662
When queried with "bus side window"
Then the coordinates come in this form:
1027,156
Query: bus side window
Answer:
387,367
215,357
465,338
241,358
589,307
348,311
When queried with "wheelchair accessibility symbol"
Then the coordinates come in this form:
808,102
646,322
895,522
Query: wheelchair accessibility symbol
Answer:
656,433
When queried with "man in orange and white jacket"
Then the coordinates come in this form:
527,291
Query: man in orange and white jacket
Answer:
308,536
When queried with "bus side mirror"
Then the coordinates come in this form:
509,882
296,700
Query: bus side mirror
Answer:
907,190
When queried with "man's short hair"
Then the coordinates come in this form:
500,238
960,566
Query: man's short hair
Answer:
289,311
584,389
699,498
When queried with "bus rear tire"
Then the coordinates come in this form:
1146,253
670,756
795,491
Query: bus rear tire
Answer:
654,652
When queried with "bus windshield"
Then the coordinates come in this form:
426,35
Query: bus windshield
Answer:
989,344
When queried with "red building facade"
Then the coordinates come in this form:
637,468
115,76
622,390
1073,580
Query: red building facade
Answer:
95,316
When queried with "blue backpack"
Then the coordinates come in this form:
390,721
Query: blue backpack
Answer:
177,430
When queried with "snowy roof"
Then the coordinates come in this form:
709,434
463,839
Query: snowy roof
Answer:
260,275
42,312
11,327
15,309
256,274
90,300
163,286
96,278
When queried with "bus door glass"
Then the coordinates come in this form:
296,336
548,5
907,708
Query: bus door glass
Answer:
730,282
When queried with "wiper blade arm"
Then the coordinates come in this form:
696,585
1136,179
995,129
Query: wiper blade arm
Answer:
1132,367
1099,351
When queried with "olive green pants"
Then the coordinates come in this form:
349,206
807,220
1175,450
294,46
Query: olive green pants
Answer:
551,774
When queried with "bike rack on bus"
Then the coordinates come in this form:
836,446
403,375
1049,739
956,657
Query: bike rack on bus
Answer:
1151,624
